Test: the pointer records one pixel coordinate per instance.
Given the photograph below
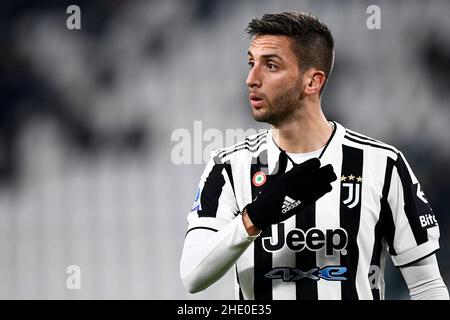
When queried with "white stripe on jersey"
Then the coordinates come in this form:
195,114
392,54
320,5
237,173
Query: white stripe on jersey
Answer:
369,218
329,204
286,258
246,273
403,231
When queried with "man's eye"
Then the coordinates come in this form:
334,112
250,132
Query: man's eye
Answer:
251,64
271,66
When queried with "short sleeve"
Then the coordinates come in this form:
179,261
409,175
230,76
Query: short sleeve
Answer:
415,232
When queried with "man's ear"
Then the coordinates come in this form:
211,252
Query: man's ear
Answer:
314,80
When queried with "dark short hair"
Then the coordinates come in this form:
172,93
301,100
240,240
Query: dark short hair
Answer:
313,42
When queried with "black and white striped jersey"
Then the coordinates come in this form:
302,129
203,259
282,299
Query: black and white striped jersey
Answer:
335,248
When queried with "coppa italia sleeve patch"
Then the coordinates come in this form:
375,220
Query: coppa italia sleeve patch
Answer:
197,203
259,178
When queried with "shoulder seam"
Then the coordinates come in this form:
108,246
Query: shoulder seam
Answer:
362,136
248,139
372,143
249,144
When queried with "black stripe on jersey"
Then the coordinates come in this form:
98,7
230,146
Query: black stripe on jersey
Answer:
256,137
262,286
420,234
354,139
376,261
211,192
246,140
306,289
350,214
204,228
245,147
386,219
241,295
248,144
356,135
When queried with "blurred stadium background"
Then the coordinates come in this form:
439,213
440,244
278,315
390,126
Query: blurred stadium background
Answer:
86,118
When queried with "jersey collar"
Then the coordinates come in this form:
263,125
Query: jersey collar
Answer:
332,148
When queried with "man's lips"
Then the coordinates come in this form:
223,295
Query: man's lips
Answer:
255,100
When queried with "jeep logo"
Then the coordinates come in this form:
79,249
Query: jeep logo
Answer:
314,239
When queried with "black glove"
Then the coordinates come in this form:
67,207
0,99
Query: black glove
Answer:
287,193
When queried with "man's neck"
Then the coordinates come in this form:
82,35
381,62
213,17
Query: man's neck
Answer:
307,131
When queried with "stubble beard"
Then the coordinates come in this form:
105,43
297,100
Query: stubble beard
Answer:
282,108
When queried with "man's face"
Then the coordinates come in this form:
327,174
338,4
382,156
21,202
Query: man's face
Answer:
274,79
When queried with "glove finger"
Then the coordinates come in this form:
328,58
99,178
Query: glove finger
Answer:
313,188
314,178
327,173
305,167
324,190
281,165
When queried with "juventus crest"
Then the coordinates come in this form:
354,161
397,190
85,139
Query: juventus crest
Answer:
351,190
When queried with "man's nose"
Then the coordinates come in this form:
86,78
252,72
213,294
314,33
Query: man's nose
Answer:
253,78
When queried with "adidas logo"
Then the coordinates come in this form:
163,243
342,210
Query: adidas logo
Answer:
289,204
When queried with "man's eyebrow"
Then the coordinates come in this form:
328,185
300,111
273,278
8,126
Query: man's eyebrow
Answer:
267,56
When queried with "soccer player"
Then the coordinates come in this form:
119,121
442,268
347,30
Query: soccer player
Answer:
307,209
